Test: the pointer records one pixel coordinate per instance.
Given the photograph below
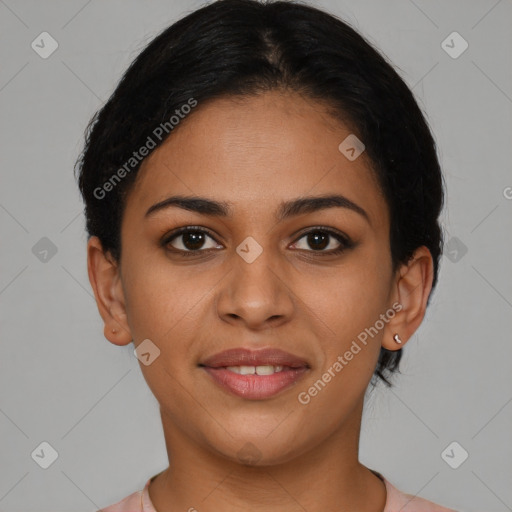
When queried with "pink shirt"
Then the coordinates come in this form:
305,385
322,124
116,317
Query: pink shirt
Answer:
396,501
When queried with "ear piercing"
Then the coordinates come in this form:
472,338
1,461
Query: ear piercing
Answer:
397,338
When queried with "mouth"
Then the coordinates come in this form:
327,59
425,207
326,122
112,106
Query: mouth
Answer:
255,375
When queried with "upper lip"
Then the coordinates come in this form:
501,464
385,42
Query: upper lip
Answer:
247,357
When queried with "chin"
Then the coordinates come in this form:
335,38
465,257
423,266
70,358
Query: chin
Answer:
258,450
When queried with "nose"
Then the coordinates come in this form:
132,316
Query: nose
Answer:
256,294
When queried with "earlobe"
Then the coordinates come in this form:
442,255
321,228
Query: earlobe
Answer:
106,283
412,287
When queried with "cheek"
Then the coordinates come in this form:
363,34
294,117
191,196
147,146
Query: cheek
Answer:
156,299
166,307
354,299
168,304
347,312
349,305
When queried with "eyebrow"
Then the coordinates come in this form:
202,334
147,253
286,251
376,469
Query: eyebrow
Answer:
287,209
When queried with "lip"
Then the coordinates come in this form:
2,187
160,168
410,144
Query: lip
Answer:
246,357
255,387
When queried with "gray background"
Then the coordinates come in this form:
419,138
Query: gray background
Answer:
63,383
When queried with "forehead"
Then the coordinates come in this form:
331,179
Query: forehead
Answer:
254,153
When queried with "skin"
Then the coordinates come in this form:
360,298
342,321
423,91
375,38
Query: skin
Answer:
255,153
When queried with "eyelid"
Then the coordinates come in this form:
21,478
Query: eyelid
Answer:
325,229
341,237
170,236
345,242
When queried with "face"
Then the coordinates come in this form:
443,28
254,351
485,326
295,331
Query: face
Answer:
308,280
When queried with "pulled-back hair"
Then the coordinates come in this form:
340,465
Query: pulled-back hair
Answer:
243,48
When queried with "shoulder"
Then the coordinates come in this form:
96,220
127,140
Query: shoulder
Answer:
398,501
131,503
138,501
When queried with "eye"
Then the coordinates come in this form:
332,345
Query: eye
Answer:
190,240
321,238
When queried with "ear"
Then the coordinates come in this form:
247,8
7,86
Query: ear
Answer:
411,288
105,280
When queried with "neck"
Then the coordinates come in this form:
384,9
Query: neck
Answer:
328,476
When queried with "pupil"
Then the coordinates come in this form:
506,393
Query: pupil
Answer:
193,240
315,237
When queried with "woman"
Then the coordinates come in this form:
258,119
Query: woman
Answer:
262,197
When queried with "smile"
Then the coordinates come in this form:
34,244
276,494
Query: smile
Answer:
255,382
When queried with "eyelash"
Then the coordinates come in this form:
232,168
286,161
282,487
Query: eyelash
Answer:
345,242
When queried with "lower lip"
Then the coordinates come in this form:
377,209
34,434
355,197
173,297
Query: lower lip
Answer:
255,387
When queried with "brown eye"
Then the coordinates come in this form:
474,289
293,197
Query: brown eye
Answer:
189,240
318,240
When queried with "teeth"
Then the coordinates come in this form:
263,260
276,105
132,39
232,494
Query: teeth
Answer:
258,370
267,369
